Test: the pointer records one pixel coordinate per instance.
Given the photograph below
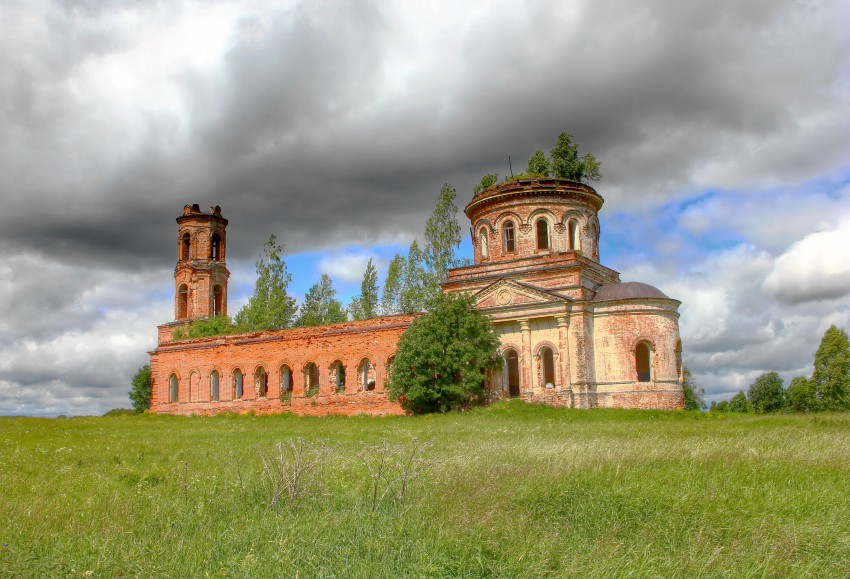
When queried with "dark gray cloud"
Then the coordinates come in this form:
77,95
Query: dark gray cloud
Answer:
318,110
336,124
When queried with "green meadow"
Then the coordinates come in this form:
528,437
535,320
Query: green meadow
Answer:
511,490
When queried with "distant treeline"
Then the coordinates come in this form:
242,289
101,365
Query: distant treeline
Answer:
827,389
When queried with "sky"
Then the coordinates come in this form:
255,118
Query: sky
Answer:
723,128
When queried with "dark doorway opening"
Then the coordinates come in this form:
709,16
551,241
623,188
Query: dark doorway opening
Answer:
512,368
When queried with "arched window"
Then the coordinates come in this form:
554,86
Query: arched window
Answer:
482,240
390,364
643,362
508,237
172,388
237,384
311,379
338,374
511,370
185,246
547,360
218,301
214,386
365,375
261,379
542,234
572,237
285,379
215,247
182,301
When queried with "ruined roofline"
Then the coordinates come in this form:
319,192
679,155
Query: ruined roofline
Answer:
534,186
193,212
307,332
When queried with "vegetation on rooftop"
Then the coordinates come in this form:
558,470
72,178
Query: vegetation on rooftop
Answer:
563,162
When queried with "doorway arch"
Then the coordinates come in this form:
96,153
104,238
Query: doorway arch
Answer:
511,372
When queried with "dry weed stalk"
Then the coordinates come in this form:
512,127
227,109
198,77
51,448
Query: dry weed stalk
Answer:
392,469
293,469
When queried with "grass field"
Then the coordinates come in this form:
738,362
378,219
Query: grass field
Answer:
511,490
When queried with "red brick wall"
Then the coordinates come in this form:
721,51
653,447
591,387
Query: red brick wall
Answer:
523,203
193,362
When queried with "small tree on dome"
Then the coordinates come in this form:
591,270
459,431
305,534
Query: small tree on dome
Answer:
486,182
538,164
566,163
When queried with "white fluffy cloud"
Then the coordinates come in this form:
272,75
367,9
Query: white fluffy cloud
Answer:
347,266
813,269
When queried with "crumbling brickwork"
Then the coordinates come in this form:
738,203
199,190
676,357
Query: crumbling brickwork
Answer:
572,334
368,344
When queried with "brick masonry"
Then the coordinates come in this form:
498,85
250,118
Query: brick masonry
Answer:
536,273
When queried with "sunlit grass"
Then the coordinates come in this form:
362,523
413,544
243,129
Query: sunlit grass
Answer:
510,490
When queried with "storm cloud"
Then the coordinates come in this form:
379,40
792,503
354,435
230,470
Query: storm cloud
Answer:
722,128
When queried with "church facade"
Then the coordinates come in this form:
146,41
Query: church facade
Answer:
572,334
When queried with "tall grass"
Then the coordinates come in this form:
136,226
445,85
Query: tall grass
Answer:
510,490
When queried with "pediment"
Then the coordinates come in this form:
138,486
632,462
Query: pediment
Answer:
504,293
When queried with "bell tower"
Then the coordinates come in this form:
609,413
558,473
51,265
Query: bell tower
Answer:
200,278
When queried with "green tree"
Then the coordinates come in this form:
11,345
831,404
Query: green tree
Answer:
391,296
369,291
767,393
320,305
538,164
270,308
412,295
800,396
365,305
739,403
566,163
442,238
694,394
140,389
443,357
831,378
722,406
215,326
486,182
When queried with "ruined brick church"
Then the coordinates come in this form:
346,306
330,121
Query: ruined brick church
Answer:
571,333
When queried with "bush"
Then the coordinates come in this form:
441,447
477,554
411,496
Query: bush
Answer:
693,393
215,326
443,358
121,412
